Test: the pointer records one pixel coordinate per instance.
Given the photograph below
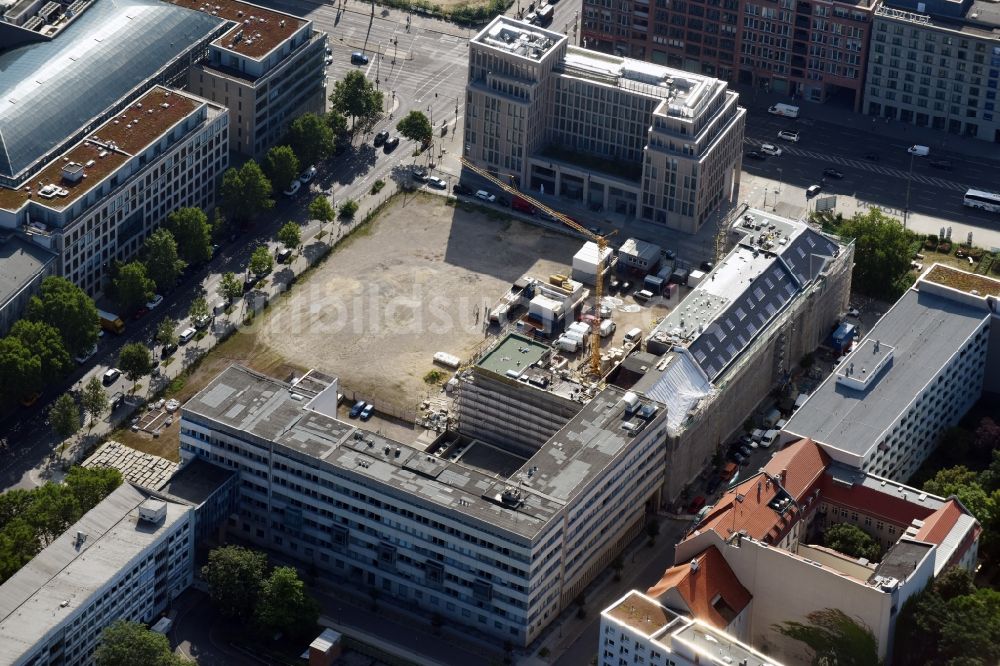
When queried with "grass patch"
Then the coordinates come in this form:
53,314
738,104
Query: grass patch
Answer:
165,446
168,360
200,335
434,377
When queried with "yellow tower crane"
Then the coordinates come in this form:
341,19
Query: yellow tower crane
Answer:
602,246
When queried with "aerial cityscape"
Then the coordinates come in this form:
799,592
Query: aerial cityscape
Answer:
551,332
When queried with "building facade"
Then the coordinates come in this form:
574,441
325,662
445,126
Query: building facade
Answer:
641,140
485,538
806,48
126,559
23,266
936,64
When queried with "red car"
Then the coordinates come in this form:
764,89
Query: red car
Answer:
140,312
696,504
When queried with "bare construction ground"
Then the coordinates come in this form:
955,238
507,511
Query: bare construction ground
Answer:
413,283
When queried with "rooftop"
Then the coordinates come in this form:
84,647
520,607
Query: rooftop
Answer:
971,283
925,331
257,30
54,586
195,482
104,150
643,614
709,589
518,38
758,507
268,409
50,90
979,19
142,469
900,561
514,355
20,263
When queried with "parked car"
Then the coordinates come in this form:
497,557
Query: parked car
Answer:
707,266
833,173
168,349
438,183
307,175
284,255
380,138
419,174
854,312
86,356
736,457
813,190
117,400
203,321
140,313
745,450
713,484
390,144
770,149
292,189
359,58
186,335
458,188
367,412
111,375
356,409
754,155
788,135
696,504
154,302
485,196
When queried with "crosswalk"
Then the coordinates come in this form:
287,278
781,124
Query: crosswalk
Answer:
863,165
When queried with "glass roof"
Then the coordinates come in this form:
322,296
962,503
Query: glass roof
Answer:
50,90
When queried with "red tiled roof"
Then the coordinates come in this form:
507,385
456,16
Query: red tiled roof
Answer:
937,526
745,508
714,581
804,461
890,507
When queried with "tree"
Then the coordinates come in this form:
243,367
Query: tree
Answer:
285,606
133,286
67,308
193,234
18,545
311,138
163,264
337,123
290,235
90,485
129,643
45,343
881,252
65,416
835,638
21,370
320,209
53,509
94,399
416,127
230,287
198,309
245,192
356,98
347,209
851,540
166,332
234,575
987,436
281,166
964,484
261,261
135,361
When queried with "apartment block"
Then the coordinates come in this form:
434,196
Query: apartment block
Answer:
638,139
811,49
483,535
637,629
126,559
916,373
936,64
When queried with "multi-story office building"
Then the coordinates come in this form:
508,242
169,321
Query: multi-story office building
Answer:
637,629
23,266
917,372
813,49
936,64
484,536
126,559
99,200
639,139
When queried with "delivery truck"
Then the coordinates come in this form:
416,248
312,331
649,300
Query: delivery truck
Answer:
111,322
786,110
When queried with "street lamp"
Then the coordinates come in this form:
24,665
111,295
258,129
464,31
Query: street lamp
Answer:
909,182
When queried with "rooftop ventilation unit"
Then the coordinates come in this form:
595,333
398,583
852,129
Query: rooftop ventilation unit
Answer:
153,511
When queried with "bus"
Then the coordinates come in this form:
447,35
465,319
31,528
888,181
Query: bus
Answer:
982,200
545,15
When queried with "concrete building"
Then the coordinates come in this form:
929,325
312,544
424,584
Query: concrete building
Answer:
754,561
472,530
23,266
936,64
812,49
637,629
126,559
916,373
634,138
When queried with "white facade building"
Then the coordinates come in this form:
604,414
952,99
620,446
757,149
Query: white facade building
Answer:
124,560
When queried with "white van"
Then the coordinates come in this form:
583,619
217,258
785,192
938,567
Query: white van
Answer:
633,336
607,327
919,151
186,335
642,295
769,438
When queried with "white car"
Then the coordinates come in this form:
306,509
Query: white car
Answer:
788,135
186,335
307,175
770,149
292,189
86,356
436,182
486,196
854,312
154,302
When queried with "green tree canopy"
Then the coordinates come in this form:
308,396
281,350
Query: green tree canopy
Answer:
45,343
135,361
53,509
65,416
311,138
234,575
281,166
261,261
320,209
964,484
356,97
94,399
90,485
245,192
193,234
290,235
21,370
18,544
851,540
416,127
881,252
835,638
198,309
133,286
67,308
285,606
166,331
130,643
230,287
163,263
337,123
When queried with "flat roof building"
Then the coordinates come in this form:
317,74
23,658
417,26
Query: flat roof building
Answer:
635,138
125,559
23,266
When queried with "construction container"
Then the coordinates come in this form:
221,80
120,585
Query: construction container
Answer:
567,344
695,278
671,290
447,360
558,279
679,276
581,326
607,327
653,283
575,335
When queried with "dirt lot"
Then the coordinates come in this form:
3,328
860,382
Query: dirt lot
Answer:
415,282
